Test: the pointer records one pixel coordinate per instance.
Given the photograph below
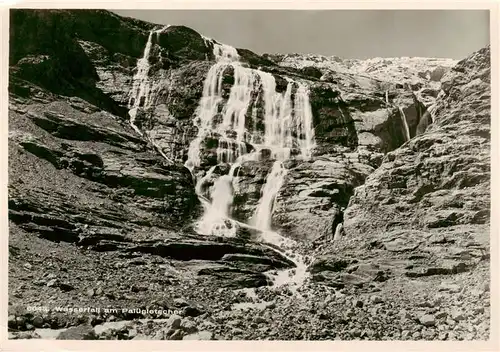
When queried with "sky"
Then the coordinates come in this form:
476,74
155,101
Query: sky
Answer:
346,33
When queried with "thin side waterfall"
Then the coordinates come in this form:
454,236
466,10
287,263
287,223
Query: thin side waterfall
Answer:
140,87
432,111
159,31
133,113
338,231
405,124
140,84
140,94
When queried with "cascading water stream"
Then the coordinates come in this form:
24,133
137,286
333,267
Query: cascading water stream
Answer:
287,126
274,181
141,84
140,94
281,137
405,124
207,109
216,216
304,125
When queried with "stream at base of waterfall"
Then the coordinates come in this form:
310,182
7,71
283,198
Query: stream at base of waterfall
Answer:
287,133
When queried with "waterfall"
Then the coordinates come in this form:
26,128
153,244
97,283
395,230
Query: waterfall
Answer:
278,124
288,126
406,130
224,53
286,118
338,232
226,122
159,31
304,121
432,111
207,109
201,181
425,120
273,184
215,220
140,82
140,85
222,196
133,113
140,94
234,114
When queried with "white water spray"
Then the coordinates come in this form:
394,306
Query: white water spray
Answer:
270,189
215,220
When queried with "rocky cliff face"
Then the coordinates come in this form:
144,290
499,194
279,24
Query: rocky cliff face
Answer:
441,177
103,115
356,118
424,213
